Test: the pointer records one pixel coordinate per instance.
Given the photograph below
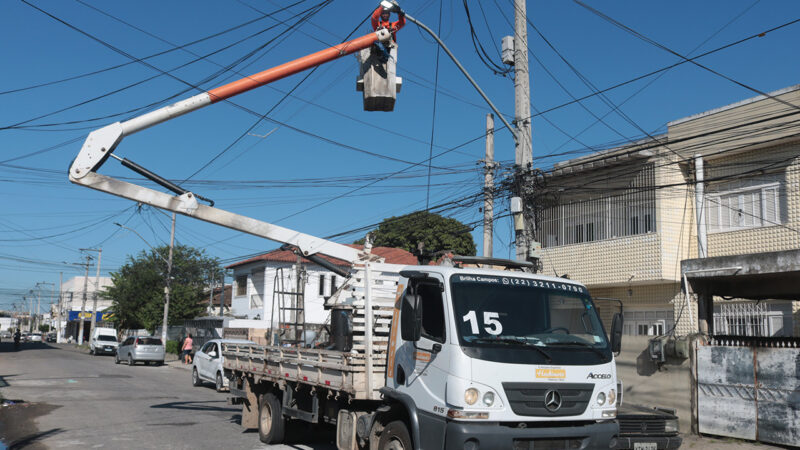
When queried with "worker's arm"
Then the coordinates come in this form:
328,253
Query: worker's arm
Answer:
376,17
400,22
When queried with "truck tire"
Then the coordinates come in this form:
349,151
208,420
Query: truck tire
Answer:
219,385
196,378
395,437
271,424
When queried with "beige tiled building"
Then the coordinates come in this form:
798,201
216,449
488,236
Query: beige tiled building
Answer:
622,220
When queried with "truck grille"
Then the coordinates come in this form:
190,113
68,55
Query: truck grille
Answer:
641,426
528,399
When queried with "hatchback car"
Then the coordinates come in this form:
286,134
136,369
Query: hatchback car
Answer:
207,363
36,337
147,349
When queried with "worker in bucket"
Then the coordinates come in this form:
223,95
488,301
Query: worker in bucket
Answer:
380,19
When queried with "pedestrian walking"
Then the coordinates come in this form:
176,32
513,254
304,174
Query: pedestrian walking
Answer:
187,349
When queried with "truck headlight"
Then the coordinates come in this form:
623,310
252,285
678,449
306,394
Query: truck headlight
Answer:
471,396
488,398
612,395
671,426
601,399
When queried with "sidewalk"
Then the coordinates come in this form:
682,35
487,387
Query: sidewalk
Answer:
713,443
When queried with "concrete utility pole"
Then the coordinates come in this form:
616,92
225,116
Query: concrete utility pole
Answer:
699,199
169,281
298,303
488,188
83,301
59,338
523,155
96,287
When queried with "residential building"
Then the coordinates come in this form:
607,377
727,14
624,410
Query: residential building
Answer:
256,279
622,220
213,309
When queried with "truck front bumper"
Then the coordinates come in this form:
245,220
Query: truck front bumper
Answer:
494,435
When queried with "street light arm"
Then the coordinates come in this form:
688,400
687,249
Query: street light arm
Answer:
463,70
143,239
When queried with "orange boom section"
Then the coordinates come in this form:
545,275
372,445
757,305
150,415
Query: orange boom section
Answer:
291,68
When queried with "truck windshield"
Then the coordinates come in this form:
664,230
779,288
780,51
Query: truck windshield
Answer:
526,321
105,337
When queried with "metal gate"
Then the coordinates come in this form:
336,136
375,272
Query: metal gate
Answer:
750,389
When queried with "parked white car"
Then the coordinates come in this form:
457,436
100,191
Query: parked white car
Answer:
207,363
104,340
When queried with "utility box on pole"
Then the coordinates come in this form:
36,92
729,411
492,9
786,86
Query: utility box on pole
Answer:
377,77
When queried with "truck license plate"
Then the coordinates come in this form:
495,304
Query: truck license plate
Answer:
645,446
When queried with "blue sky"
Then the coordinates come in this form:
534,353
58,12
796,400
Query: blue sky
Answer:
284,176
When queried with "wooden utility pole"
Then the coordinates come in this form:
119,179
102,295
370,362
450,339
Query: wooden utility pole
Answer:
169,281
488,188
83,301
523,155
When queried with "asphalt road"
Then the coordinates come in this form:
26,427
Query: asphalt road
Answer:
75,400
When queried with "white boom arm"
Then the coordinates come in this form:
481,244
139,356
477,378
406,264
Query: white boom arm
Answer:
101,143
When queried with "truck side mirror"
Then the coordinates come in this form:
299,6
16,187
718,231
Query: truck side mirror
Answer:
410,317
616,333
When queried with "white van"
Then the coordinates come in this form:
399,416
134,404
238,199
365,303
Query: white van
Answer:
103,341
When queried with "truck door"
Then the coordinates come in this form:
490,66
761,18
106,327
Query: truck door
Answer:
424,368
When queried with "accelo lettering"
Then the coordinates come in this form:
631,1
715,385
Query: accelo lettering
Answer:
599,376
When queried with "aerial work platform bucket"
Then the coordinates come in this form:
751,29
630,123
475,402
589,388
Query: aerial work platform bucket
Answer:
377,77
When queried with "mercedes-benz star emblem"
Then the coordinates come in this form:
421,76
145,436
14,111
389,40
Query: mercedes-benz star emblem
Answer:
552,401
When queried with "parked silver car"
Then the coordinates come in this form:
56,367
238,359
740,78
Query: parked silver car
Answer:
147,349
207,363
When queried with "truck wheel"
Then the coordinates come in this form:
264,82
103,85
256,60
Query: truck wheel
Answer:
219,384
271,424
196,378
395,437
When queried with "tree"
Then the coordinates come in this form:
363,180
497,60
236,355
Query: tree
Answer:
437,233
137,290
44,328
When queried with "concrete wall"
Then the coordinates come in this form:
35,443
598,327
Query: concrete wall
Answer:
644,385
608,261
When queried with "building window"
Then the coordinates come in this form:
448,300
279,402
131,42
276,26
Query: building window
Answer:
753,319
654,322
333,284
744,208
241,285
627,209
322,285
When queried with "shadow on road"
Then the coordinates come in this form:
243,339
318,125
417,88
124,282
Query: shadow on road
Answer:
30,441
195,406
8,346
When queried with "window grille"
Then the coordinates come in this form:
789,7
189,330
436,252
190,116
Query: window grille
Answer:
748,319
744,208
626,211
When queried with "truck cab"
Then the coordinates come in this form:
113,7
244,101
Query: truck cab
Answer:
485,358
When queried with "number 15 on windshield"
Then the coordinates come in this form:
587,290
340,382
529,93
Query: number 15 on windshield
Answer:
491,324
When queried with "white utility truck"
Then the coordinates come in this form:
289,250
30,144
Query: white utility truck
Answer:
423,356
